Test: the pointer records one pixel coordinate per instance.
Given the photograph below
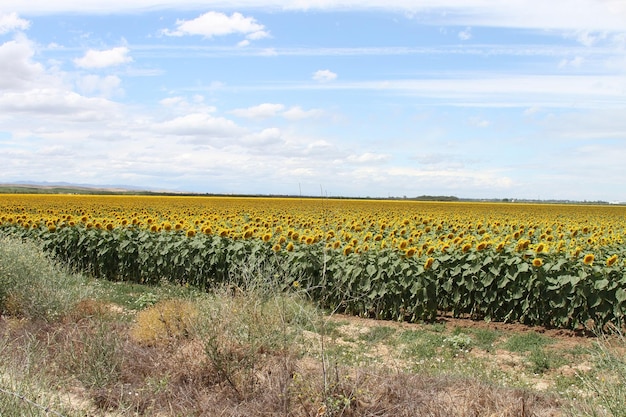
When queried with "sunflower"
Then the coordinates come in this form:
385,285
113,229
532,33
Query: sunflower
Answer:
266,237
481,246
588,259
537,262
191,233
276,247
289,247
540,248
429,263
611,261
347,250
410,252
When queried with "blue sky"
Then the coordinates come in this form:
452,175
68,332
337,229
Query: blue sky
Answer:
472,98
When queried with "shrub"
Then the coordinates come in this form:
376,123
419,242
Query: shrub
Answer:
165,321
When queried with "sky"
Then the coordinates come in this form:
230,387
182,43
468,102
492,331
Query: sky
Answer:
522,99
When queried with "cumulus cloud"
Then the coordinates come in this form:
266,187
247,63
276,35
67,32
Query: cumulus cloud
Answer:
18,70
324,76
201,125
56,102
11,21
264,138
368,158
213,24
267,110
262,111
297,113
105,58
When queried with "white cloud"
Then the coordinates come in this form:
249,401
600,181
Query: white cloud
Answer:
68,105
497,90
107,86
17,69
574,62
171,101
466,34
297,113
478,122
213,24
264,138
592,15
324,76
201,125
262,111
104,58
11,21
368,158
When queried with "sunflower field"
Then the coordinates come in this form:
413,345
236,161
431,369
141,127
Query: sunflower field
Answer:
540,264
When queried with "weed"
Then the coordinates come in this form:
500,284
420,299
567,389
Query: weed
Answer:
165,321
33,286
377,334
608,385
525,342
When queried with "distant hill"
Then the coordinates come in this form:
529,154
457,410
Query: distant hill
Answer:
28,187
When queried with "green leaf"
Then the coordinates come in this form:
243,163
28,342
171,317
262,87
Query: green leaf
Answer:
601,284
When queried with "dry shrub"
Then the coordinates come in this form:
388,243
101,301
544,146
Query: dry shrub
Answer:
164,322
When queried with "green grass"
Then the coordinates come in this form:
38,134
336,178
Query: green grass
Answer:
33,286
525,342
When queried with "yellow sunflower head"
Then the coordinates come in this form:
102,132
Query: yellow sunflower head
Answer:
588,259
611,261
537,262
429,263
